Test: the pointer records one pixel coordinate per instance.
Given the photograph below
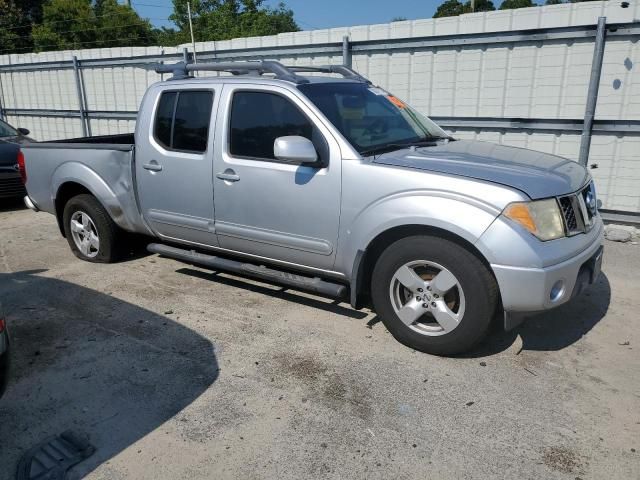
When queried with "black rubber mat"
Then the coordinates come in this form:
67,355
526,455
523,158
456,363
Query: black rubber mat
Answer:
51,459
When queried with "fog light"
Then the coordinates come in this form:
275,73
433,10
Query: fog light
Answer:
557,291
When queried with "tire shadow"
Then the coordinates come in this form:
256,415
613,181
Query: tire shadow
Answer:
12,204
555,329
87,361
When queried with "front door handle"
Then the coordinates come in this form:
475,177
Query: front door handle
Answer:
228,176
152,166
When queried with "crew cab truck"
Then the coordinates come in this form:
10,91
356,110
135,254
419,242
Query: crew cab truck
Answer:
328,183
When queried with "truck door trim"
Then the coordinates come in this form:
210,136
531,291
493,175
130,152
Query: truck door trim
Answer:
288,240
180,220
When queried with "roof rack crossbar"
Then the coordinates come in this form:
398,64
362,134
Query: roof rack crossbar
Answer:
182,70
343,70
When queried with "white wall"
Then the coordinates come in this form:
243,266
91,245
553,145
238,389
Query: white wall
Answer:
528,80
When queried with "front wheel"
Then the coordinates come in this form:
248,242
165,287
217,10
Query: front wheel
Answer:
433,295
90,231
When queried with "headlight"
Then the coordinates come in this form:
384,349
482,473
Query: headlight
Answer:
540,217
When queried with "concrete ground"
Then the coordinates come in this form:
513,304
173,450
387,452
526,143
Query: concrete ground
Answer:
175,372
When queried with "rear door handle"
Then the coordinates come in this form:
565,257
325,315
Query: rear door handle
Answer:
228,176
152,166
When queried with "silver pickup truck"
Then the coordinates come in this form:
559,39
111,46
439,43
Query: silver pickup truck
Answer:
325,182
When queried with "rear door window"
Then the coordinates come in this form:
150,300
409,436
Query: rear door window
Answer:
164,118
182,120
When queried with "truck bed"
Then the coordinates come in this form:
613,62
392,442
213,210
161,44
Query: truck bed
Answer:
102,165
123,141
120,139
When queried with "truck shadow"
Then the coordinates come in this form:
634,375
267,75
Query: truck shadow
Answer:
90,362
555,329
11,204
276,291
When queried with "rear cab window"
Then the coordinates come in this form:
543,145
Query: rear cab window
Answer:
182,120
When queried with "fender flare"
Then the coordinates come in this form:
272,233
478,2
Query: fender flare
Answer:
75,172
461,217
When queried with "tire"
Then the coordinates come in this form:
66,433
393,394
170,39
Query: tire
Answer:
85,211
441,315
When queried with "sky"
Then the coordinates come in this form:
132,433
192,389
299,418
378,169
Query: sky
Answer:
315,14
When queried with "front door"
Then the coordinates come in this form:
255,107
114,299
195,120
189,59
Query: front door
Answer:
266,207
174,166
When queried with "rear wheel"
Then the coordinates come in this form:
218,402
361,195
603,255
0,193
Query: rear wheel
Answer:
433,295
91,233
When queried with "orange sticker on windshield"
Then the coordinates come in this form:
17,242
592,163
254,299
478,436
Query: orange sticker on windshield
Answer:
396,101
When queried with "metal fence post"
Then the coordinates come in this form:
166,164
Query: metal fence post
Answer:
2,115
161,63
81,105
185,55
346,51
592,93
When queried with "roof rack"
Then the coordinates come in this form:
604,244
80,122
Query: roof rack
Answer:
343,70
182,70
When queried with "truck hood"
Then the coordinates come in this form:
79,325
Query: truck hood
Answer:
537,174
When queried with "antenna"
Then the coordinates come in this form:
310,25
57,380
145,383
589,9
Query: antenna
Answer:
193,42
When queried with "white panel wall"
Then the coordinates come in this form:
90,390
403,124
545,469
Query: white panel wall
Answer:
527,80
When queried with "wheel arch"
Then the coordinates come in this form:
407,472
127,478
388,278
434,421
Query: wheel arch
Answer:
73,178
365,259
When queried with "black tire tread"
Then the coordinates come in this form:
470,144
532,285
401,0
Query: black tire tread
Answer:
481,292
108,231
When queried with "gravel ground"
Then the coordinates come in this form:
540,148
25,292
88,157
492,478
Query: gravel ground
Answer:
177,372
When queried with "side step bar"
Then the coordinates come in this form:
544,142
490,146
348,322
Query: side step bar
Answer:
313,284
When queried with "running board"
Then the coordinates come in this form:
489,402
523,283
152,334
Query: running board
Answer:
313,284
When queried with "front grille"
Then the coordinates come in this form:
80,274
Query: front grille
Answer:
569,214
578,210
11,187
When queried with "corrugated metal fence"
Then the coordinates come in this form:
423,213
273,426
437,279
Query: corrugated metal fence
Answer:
518,77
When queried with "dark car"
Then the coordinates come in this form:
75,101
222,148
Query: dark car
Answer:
4,352
10,140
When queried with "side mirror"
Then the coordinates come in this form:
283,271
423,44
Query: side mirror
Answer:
23,131
295,149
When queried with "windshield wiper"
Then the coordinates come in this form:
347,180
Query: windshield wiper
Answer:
389,147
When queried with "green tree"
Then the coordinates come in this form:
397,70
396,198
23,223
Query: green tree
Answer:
170,36
120,26
16,19
453,8
512,4
479,6
66,24
226,19
75,24
10,36
450,8
398,19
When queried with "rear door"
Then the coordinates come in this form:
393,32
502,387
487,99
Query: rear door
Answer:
174,164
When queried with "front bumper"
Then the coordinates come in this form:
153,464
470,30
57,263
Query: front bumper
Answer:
526,289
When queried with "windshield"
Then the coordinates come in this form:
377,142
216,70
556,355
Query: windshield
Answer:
7,131
370,118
